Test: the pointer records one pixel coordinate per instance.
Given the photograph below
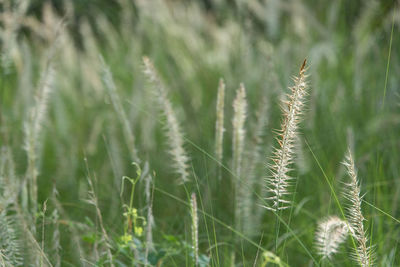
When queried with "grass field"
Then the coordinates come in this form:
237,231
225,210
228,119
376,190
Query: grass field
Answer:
182,134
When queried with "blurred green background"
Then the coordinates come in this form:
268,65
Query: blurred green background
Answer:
353,102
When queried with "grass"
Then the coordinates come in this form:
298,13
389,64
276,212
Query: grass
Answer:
80,102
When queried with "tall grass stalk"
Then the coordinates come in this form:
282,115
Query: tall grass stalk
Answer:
105,238
238,136
55,240
33,127
239,132
149,192
195,228
219,125
363,254
174,133
279,181
252,212
73,229
119,109
34,252
43,227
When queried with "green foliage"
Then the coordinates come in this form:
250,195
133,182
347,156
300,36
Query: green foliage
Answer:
132,219
270,257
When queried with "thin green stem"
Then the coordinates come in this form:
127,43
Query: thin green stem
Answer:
388,62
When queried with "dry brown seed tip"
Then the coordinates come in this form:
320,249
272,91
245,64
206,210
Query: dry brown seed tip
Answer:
146,60
303,66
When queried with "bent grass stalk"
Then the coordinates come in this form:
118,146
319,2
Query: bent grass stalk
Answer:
116,102
174,134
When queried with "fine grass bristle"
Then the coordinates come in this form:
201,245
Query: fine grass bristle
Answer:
363,254
174,134
279,181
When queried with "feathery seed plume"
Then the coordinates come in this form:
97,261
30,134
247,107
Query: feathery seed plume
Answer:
252,212
239,118
195,228
219,125
173,130
119,109
279,181
331,233
363,253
